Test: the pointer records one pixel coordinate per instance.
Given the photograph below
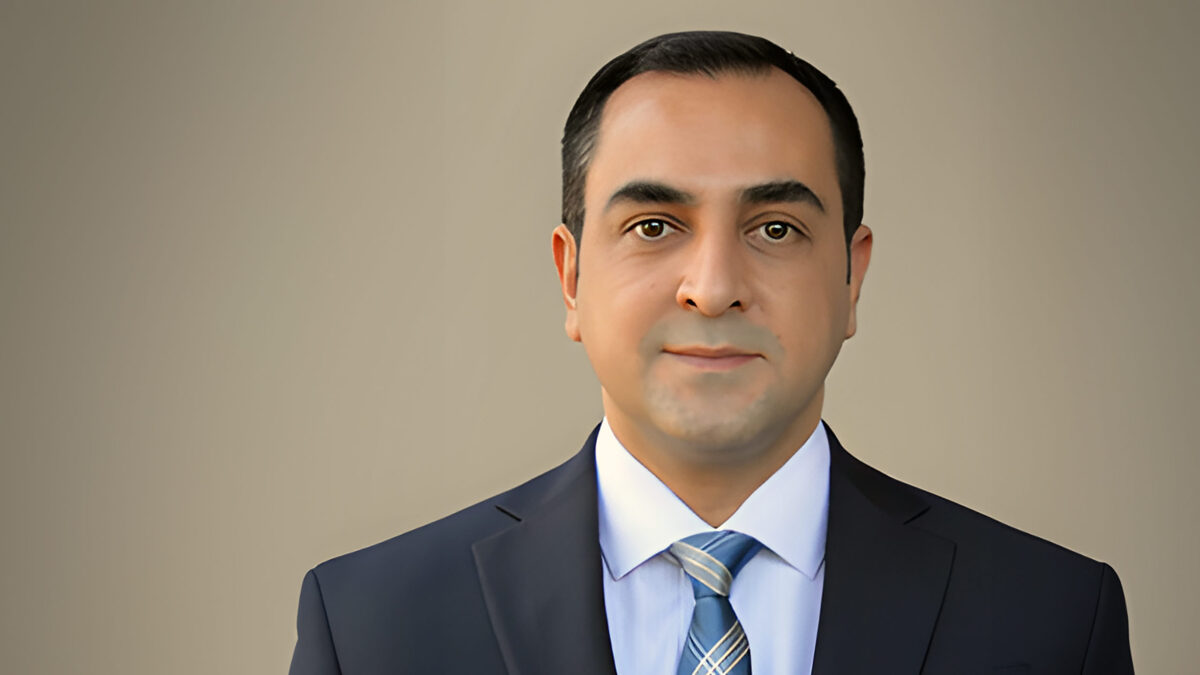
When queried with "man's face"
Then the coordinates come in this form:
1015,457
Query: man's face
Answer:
712,297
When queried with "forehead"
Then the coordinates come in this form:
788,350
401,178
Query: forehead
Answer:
710,134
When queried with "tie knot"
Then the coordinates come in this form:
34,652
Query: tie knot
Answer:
712,559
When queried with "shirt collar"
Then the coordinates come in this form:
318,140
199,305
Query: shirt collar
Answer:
788,513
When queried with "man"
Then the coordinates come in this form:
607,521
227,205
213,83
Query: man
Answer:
711,259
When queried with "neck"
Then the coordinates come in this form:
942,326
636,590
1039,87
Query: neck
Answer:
714,484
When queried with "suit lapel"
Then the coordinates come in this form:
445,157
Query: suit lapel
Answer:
541,578
884,578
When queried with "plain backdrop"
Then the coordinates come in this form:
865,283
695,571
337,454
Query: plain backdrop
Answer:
276,284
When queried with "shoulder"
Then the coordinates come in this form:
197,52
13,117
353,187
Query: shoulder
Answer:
1009,595
438,547
1022,590
1025,574
1031,596
972,532
436,558
401,600
1003,546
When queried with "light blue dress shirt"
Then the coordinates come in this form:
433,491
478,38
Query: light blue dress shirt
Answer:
777,595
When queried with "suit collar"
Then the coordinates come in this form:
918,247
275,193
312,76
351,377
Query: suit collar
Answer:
541,577
884,577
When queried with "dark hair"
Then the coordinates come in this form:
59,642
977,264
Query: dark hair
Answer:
709,53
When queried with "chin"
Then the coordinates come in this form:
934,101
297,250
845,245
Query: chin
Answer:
719,430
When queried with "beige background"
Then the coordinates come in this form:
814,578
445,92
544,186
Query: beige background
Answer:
275,284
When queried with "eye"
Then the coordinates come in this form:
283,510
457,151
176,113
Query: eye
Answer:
776,230
652,229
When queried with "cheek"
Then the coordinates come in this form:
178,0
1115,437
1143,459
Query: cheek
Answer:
628,297
613,321
813,322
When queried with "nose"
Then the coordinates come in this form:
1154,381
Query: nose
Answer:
714,275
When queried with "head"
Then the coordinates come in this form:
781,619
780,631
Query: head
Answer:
708,185
707,53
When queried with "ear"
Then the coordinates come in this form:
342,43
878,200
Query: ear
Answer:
860,257
566,260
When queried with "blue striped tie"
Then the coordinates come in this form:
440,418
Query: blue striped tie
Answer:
716,643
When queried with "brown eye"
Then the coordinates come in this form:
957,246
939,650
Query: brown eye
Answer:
652,229
776,230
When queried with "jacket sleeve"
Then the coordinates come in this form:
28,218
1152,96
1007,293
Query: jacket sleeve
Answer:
1108,648
314,653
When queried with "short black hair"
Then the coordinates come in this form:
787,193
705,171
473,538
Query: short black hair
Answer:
709,53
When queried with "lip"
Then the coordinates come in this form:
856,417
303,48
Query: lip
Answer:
710,358
707,352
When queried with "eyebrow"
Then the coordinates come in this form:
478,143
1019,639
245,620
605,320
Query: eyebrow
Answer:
651,192
782,191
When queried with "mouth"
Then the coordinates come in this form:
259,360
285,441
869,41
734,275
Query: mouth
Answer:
711,358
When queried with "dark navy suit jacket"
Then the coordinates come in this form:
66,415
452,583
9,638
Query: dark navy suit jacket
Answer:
913,584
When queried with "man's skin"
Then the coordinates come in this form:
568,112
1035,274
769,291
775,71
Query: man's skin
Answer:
699,234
